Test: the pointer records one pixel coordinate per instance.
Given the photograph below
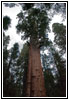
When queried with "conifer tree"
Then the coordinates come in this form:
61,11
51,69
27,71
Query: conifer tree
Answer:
35,26
6,23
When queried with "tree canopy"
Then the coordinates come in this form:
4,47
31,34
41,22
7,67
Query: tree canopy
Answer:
6,22
60,36
35,25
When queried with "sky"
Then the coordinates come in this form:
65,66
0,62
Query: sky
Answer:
14,37
12,13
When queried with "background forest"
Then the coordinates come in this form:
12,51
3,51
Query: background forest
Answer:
33,27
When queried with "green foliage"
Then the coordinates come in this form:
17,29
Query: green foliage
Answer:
6,22
48,5
60,36
60,8
5,63
5,58
60,64
50,83
15,51
5,41
10,5
27,6
50,73
55,77
10,86
23,54
35,25
14,69
61,76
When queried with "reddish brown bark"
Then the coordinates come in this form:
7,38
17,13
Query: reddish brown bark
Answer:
35,79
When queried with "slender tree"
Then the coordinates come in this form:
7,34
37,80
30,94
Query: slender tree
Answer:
23,63
61,79
60,40
13,69
5,64
6,23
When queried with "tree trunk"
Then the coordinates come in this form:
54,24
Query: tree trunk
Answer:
35,80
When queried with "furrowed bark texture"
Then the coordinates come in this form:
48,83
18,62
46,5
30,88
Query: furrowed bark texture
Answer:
35,80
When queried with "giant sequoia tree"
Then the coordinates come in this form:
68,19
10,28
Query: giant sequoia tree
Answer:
35,26
23,74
